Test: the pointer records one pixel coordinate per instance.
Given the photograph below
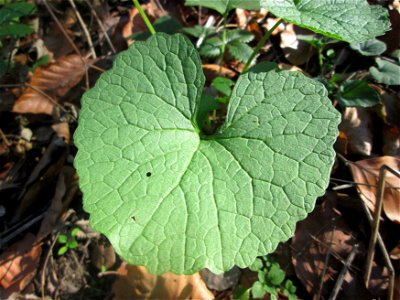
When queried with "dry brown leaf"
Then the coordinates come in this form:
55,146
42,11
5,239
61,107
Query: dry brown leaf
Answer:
323,227
18,265
366,172
49,83
136,282
356,127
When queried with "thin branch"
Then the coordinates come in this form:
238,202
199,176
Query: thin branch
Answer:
101,26
386,257
376,221
70,41
85,30
326,262
343,273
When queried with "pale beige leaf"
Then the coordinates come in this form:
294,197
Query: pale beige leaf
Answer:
366,173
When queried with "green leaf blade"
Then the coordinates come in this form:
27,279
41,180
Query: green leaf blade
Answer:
173,200
353,21
357,93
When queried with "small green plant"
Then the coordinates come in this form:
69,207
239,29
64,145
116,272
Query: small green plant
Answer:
235,42
10,14
11,28
271,280
68,241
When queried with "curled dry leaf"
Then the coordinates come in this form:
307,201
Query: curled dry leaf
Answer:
136,282
356,132
366,172
18,265
50,83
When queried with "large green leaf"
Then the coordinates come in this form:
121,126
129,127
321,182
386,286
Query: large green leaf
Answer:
172,199
353,21
223,6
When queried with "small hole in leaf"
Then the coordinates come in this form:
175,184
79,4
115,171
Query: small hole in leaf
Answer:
148,174
133,218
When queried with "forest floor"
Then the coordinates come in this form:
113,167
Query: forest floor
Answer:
48,249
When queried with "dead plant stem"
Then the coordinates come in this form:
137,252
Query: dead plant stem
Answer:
84,28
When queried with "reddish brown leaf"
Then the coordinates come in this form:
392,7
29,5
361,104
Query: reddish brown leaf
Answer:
18,265
366,172
49,83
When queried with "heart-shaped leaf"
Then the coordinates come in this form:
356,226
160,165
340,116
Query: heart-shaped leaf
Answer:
353,21
172,199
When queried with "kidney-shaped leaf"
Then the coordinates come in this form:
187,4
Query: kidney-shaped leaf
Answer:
353,21
172,199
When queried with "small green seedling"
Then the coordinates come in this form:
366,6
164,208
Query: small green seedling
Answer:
224,87
68,241
271,280
235,42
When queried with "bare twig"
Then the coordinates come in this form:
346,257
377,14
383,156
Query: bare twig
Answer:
70,41
375,223
62,29
385,254
326,262
343,273
46,262
100,23
84,28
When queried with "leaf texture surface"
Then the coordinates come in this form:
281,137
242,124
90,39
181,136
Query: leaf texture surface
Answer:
174,200
353,21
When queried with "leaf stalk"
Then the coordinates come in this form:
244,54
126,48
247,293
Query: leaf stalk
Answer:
144,17
260,44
